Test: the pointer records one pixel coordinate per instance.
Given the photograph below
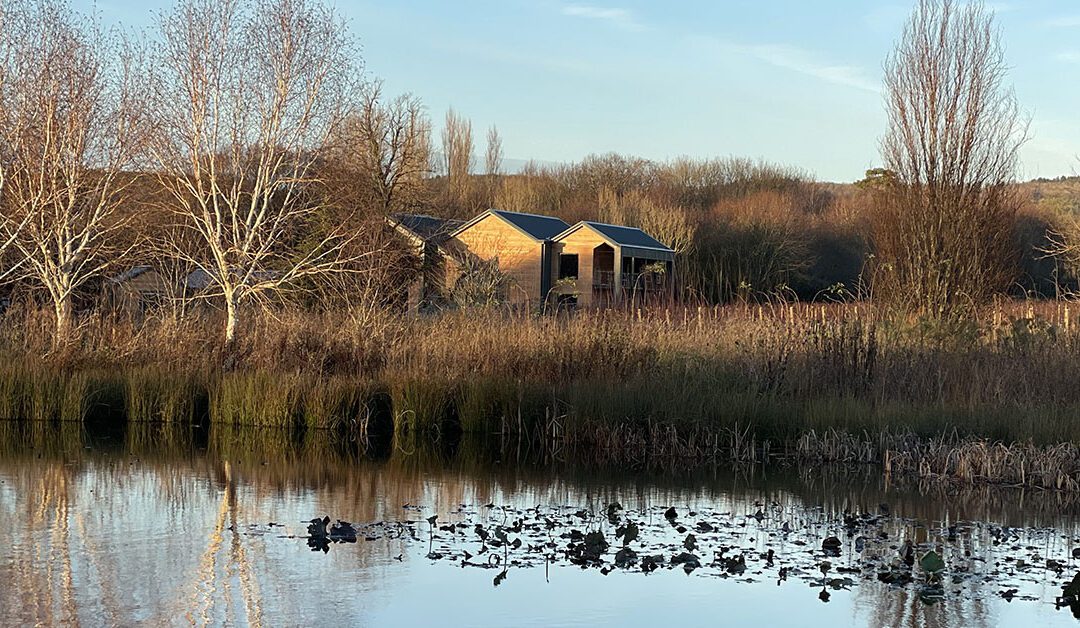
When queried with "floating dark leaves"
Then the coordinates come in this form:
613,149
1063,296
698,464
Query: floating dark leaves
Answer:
742,546
625,558
343,532
628,533
613,511
831,546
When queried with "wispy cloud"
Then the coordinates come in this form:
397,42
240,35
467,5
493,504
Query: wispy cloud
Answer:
798,60
1068,56
1064,21
622,18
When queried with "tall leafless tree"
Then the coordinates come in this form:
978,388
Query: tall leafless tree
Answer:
493,159
385,148
457,145
494,156
70,129
943,232
247,94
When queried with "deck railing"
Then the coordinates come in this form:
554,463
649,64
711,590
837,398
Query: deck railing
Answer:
647,282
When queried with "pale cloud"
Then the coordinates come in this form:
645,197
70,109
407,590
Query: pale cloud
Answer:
622,18
1068,56
798,60
1064,21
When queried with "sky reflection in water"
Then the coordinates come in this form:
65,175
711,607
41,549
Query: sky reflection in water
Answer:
155,529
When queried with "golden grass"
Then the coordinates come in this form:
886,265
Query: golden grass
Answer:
640,386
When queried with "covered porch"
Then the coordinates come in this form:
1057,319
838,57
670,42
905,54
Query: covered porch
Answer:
607,264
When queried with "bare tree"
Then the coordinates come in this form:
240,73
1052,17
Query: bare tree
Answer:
457,145
8,54
669,224
70,127
492,166
247,94
494,157
943,231
386,148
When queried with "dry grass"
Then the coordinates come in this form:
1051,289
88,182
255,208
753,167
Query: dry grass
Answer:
678,384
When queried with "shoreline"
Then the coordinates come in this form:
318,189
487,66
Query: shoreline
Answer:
646,388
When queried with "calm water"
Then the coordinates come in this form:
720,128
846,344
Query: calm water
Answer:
164,528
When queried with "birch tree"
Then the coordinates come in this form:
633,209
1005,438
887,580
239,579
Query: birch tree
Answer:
247,94
70,128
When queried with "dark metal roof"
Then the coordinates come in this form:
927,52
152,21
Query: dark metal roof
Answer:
628,236
130,274
539,227
427,228
632,241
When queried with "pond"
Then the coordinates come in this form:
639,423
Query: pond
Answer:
143,526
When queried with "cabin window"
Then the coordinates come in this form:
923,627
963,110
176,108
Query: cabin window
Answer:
568,266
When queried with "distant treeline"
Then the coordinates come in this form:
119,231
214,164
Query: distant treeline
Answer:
751,230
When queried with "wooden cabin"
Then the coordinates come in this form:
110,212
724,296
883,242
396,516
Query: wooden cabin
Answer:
600,264
136,290
521,246
537,258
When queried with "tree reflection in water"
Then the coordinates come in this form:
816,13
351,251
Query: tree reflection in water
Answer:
164,524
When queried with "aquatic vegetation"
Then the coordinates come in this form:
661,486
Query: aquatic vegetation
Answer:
154,394
771,544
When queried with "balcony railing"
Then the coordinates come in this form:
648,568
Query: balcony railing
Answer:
605,280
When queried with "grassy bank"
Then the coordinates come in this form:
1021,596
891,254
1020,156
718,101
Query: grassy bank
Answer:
642,387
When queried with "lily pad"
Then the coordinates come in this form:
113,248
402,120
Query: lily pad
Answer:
932,563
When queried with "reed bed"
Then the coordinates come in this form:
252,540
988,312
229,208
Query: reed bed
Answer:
743,382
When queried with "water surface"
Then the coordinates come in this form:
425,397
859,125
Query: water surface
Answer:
151,526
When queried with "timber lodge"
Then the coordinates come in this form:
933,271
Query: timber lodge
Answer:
542,258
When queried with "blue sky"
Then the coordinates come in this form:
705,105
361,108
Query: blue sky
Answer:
791,81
